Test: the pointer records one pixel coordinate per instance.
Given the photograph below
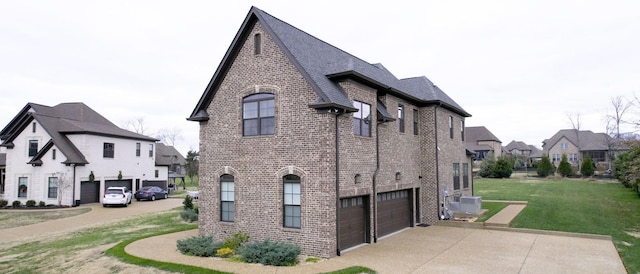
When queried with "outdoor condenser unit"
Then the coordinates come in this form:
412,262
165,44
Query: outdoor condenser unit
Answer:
471,204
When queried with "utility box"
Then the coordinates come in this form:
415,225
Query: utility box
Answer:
471,204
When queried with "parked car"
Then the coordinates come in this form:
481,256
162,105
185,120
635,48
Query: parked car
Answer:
116,195
151,193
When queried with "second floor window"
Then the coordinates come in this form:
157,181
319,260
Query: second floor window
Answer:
362,119
138,149
33,148
563,145
258,114
401,118
451,127
462,130
108,150
150,150
257,44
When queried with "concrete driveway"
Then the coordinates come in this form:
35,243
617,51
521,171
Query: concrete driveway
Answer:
434,249
97,216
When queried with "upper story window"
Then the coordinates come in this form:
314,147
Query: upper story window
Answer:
415,122
138,148
258,114
292,215
150,150
462,130
33,148
564,145
401,118
33,127
108,150
451,127
257,44
227,193
362,119
53,154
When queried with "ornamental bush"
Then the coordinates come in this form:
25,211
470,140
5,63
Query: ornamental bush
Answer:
189,215
544,167
587,168
188,202
268,252
31,203
16,204
201,246
236,240
564,168
502,168
3,202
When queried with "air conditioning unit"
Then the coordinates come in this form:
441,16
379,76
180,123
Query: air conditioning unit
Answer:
471,204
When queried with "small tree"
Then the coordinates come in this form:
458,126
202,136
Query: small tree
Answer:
487,165
564,168
64,183
545,168
502,168
587,168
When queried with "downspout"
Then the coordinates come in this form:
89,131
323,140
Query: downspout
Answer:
375,190
337,222
73,194
435,115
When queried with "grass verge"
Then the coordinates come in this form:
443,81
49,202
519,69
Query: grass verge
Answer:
571,205
14,218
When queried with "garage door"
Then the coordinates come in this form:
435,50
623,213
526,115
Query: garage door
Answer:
353,221
89,192
160,184
111,183
394,211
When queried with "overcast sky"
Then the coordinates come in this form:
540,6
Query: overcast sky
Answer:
519,67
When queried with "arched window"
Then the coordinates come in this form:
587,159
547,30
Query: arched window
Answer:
227,193
258,114
257,44
291,193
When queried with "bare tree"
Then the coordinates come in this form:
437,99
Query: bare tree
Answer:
169,136
136,125
620,107
574,118
64,183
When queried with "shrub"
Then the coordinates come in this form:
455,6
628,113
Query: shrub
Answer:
236,240
188,202
502,168
42,204
587,168
31,203
270,253
544,167
201,246
189,215
16,204
3,202
486,166
564,168
224,252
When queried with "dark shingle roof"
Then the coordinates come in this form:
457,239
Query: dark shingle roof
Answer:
480,133
320,64
168,155
519,145
62,120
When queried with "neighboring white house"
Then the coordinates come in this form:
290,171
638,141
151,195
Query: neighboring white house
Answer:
69,154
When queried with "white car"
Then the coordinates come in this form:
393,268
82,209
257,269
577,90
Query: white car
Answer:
116,196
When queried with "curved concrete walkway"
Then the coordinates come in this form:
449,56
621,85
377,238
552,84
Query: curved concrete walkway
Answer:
434,249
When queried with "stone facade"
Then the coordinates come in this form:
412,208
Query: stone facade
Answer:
304,144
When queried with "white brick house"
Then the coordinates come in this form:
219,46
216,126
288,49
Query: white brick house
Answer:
47,148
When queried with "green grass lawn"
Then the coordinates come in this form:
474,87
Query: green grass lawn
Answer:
595,207
492,208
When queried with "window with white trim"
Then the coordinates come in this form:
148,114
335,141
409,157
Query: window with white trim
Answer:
292,215
227,198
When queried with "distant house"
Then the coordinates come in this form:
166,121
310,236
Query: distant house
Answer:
305,143
520,150
578,144
170,164
483,142
68,154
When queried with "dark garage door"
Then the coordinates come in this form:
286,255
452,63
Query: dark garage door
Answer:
160,184
126,183
394,211
89,192
353,221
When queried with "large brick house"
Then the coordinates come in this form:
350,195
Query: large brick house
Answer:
303,142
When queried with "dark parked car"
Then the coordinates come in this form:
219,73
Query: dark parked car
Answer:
151,193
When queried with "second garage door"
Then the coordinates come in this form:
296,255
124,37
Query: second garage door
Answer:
111,183
89,192
394,211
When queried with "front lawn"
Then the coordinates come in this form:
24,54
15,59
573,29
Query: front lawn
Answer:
571,205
